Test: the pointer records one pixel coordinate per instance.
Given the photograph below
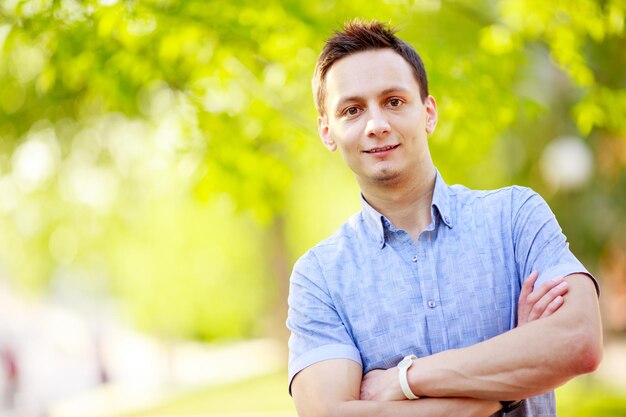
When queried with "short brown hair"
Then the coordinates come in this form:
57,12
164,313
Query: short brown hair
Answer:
357,36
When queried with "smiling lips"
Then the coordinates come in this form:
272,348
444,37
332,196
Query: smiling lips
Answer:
381,149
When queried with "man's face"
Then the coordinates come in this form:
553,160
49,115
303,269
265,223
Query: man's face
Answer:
375,117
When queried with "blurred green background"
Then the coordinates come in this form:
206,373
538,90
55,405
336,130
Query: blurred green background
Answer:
164,153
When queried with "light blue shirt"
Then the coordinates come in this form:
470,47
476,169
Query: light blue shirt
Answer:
370,294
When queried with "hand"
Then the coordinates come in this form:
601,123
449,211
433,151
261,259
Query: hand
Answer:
543,301
381,385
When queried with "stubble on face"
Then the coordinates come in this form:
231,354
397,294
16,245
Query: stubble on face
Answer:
386,176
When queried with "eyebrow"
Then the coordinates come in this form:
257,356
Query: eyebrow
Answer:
382,93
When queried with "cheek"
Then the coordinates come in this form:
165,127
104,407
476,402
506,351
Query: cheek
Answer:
352,133
408,124
346,135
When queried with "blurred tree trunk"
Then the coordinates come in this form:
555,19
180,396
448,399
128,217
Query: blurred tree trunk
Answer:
280,268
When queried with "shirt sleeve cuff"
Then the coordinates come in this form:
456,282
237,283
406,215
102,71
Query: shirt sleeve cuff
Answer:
564,270
334,351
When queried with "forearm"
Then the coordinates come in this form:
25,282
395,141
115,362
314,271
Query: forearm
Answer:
331,389
427,407
509,367
521,363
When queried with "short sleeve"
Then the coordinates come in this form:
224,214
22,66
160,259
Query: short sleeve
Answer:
317,331
539,242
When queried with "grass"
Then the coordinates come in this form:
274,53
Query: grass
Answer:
263,396
267,396
586,397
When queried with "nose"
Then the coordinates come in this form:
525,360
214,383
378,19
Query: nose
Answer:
377,124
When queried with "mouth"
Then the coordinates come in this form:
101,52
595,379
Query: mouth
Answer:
381,149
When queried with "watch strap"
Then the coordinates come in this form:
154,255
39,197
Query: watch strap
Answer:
508,406
404,366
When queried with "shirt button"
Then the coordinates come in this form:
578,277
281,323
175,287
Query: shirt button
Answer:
414,258
447,219
432,303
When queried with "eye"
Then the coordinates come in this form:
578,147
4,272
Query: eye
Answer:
395,102
351,111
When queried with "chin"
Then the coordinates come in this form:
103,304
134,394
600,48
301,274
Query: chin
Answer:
386,177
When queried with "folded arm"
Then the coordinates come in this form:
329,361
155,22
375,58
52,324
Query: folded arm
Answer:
520,363
331,388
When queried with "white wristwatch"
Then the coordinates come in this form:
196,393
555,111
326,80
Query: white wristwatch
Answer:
404,366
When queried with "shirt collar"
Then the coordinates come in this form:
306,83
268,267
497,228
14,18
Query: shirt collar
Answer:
375,222
441,201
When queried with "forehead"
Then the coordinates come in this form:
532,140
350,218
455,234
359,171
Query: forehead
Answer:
366,73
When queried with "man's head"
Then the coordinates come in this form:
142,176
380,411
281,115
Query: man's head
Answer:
358,36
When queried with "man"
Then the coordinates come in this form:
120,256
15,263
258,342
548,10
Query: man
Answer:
426,269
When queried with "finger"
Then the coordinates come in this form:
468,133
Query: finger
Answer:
365,394
553,306
522,305
527,286
540,306
543,289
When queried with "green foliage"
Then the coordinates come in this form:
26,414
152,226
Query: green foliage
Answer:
151,149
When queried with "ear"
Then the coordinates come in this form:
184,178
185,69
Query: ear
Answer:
431,114
324,132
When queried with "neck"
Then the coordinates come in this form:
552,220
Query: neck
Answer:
407,205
